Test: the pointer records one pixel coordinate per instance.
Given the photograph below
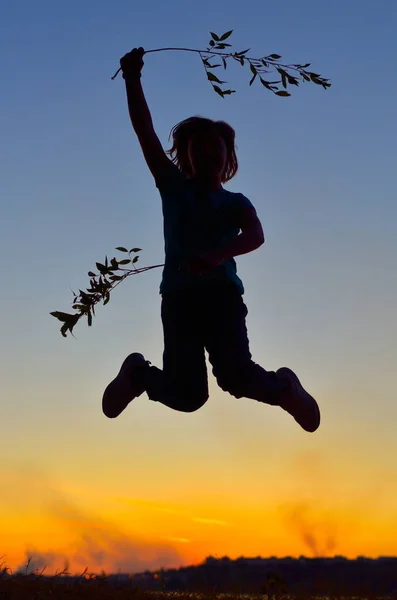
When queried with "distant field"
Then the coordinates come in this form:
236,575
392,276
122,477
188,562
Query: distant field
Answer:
20,587
35,584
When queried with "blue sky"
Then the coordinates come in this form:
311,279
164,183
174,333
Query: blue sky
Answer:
318,166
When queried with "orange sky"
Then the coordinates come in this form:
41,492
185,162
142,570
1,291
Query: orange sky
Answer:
60,524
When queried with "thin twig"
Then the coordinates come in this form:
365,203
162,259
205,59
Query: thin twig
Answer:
227,54
134,272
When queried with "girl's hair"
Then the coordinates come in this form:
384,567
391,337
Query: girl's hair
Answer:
183,131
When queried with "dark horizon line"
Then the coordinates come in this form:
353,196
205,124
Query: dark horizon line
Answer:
211,561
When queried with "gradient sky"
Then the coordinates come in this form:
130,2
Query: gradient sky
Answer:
156,487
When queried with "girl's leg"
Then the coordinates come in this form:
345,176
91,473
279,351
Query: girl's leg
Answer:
227,343
228,347
182,384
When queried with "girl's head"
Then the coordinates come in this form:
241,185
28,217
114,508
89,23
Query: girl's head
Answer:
204,149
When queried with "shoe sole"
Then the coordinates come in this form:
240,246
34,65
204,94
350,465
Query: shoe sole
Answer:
308,398
121,391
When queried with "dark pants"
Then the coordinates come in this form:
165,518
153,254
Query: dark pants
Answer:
211,319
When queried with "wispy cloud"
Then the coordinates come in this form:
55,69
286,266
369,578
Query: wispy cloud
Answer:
317,532
96,543
173,510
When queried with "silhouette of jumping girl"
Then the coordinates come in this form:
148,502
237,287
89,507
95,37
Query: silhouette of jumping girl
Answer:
202,308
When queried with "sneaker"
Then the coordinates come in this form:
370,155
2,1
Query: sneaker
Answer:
125,387
298,403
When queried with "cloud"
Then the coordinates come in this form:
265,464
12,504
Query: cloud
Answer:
158,507
101,543
179,540
318,533
97,544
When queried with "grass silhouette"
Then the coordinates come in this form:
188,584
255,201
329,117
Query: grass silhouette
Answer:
36,585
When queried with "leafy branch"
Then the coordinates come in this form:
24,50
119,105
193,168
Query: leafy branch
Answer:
111,274
261,68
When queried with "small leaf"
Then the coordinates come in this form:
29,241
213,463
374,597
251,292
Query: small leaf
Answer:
116,278
282,93
316,80
265,64
89,318
265,83
253,69
61,316
213,77
107,298
214,36
292,80
253,79
275,56
126,261
242,52
226,35
136,250
101,268
222,46
212,43
114,263
69,325
227,92
122,249
135,259
284,76
91,274
218,90
224,62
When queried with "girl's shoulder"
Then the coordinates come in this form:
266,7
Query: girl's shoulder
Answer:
237,198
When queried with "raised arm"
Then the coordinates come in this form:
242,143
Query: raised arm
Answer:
141,119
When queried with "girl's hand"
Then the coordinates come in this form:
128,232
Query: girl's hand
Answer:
132,63
204,263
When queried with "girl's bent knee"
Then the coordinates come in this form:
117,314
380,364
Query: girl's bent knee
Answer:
190,404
